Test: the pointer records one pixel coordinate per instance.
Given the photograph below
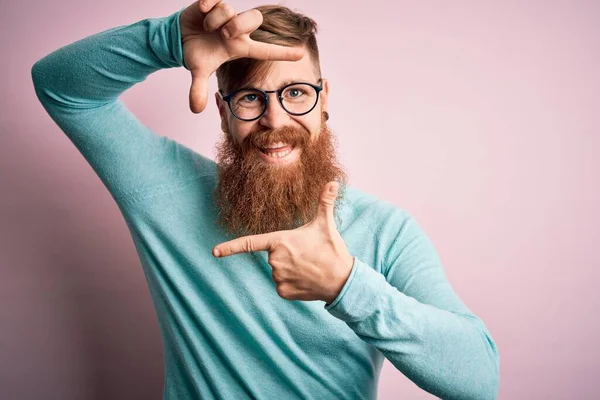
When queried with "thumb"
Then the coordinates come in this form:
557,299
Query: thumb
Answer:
327,200
198,91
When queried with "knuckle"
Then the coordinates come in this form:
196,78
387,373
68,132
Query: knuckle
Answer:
233,26
227,10
276,277
205,5
289,245
274,256
209,22
283,291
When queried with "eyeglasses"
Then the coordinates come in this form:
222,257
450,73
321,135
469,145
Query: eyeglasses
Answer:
297,98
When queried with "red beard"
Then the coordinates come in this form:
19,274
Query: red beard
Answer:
254,197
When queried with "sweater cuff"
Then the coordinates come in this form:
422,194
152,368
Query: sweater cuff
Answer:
174,29
359,296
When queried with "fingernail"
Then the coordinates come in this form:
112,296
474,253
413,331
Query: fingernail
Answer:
226,33
216,252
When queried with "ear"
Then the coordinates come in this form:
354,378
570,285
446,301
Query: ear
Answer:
325,95
222,106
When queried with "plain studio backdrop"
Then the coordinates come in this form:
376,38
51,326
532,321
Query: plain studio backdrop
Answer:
479,118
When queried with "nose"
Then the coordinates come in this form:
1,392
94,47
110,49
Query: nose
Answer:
275,116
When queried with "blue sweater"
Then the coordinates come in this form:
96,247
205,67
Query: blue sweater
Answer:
226,332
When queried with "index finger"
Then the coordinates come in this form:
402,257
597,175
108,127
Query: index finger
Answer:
274,52
245,244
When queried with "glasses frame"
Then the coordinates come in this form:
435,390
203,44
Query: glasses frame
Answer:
266,96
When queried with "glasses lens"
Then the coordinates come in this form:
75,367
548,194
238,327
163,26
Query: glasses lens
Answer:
247,104
299,98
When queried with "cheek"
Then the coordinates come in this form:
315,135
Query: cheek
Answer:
313,125
308,121
239,130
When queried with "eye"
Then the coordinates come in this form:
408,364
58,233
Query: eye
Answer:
250,98
293,93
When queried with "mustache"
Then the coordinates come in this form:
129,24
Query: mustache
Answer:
262,137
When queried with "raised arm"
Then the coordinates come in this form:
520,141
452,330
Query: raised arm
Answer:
79,86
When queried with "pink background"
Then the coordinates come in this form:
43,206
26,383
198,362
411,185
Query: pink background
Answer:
482,120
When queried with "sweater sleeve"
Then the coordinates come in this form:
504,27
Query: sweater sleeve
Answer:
411,314
79,86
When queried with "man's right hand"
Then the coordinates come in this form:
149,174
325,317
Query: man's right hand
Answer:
212,34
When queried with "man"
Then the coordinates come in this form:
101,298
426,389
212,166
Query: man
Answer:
271,276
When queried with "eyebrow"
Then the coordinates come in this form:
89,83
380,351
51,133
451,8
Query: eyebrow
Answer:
287,82
282,84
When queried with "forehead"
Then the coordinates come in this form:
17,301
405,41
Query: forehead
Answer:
281,73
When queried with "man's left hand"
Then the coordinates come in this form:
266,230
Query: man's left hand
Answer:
308,263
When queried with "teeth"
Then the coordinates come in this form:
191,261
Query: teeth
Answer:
277,145
279,154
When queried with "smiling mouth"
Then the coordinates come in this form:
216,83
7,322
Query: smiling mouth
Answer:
278,152
282,155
